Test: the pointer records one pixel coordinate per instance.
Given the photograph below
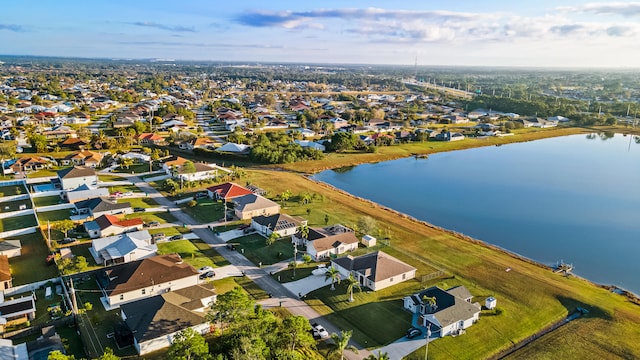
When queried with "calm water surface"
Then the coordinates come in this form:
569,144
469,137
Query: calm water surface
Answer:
570,198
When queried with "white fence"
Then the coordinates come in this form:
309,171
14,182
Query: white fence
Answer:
17,213
113,183
29,287
14,198
157,178
56,207
24,231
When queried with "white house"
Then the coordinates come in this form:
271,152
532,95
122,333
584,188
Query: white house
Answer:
77,176
109,225
141,279
84,192
203,172
10,248
13,352
123,248
234,148
155,321
448,311
282,224
310,144
376,270
322,243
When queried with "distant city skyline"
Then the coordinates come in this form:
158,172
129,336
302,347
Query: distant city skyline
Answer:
528,33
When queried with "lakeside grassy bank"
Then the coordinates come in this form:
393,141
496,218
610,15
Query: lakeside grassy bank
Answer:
530,296
384,153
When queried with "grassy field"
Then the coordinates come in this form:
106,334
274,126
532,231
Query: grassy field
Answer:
12,190
15,205
109,178
530,295
55,215
31,266
47,201
161,217
123,188
256,250
206,211
142,202
17,222
197,254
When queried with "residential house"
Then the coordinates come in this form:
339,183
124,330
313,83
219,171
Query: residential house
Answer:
59,133
31,163
76,176
123,248
454,119
155,321
137,157
16,311
46,343
447,136
310,144
227,191
543,123
84,192
448,312
141,279
339,123
376,270
203,172
173,165
73,143
281,224
87,158
233,148
249,206
199,143
173,124
151,139
96,207
325,242
6,280
10,248
13,352
109,225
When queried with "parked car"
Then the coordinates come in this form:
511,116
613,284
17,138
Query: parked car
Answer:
205,269
157,237
207,275
319,332
176,237
67,240
139,209
151,224
413,332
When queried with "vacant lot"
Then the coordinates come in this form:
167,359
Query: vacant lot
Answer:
256,250
161,217
47,201
206,211
12,190
17,222
142,202
198,255
55,215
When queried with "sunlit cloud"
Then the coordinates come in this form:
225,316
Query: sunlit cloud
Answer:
613,8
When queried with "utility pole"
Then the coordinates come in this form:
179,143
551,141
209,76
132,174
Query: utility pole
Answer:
426,348
74,304
295,258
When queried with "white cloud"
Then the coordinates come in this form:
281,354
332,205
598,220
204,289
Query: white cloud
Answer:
613,8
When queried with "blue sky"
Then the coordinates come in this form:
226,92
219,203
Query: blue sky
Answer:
464,32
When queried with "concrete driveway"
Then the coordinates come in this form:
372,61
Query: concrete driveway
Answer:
307,285
402,347
231,234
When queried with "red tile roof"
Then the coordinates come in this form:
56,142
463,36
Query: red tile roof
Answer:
229,190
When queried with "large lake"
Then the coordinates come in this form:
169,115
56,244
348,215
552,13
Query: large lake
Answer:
574,198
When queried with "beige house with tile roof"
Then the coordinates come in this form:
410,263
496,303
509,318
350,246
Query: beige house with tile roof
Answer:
376,270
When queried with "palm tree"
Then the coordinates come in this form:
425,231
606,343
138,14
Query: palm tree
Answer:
334,275
380,356
303,229
342,343
272,238
126,162
430,302
351,284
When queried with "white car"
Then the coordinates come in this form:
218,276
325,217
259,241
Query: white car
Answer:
205,269
319,332
320,271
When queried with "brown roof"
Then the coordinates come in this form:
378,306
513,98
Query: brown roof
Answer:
376,266
333,241
139,274
179,161
167,313
5,270
76,172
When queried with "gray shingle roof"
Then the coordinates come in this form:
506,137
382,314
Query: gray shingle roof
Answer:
376,266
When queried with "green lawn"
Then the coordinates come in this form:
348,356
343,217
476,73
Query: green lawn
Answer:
169,231
43,173
47,201
227,284
135,168
161,217
366,314
198,255
123,188
206,211
109,178
55,215
31,265
12,190
143,202
256,250
17,222
302,271
15,205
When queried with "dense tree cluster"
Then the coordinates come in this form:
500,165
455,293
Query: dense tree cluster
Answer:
277,148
